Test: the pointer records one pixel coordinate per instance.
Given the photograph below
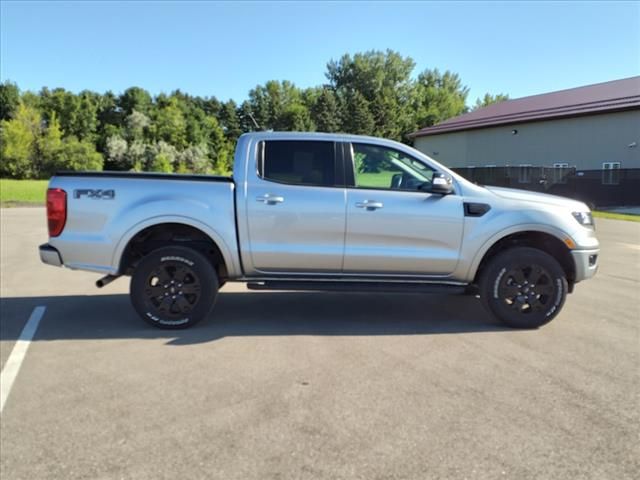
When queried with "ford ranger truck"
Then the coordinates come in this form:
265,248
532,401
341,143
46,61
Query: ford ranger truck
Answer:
326,212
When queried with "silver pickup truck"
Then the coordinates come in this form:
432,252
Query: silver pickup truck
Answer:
311,211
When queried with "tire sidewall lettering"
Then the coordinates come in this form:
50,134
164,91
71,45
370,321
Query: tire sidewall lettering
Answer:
175,258
496,284
181,321
558,282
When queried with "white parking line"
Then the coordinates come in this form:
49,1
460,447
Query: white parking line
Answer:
629,245
14,362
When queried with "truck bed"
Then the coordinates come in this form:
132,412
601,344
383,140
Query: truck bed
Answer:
106,209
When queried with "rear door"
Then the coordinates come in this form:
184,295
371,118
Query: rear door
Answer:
394,228
296,207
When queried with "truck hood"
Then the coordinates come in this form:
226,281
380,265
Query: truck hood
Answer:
535,197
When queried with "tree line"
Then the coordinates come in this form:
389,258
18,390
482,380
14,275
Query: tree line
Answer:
370,93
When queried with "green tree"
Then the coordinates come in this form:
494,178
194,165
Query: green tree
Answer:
325,112
230,121
164,149
116,156
140,155
436,97
170,124
48,147
9,99
383,79
195,159
77,114
279,106
357,117
245,114
220,151
295,118
85,119
161,163
137,124
18,138
110,120
195,125
78,155
135,98
489,99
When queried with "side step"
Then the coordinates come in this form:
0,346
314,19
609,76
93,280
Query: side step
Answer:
357,286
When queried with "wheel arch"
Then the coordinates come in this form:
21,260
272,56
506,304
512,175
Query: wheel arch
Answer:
155,233
552,243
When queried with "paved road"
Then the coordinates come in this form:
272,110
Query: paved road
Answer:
318,386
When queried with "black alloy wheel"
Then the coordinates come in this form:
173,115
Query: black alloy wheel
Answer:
523,287
174,287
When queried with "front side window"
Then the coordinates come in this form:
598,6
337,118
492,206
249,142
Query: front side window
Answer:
298,162
384,168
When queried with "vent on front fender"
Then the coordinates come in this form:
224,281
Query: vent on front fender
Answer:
475,209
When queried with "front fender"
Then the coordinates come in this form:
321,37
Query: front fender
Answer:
505,232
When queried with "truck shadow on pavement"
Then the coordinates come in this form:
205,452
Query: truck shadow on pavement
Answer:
253,314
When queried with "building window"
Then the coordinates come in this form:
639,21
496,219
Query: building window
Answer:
524,174
560,172
611,173
489,175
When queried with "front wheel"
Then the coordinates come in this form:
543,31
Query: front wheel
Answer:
523,287
173,287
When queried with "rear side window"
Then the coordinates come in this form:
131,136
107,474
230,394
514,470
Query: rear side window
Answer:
299,162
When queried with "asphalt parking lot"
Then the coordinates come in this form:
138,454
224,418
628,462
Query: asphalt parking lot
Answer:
318,386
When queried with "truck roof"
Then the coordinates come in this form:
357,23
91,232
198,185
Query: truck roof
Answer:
336,137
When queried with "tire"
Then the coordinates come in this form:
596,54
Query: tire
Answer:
173,287
507,293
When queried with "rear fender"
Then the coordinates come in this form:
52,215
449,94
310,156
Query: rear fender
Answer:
226,250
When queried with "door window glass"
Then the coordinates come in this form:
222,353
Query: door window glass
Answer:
385,168
298,162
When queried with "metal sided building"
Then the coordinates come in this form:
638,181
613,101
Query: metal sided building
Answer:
587,136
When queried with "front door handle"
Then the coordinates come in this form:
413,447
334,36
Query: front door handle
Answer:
370,205
270,199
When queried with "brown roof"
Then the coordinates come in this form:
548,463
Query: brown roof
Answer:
599,98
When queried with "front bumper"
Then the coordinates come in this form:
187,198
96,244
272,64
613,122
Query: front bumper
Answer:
50,255
586,262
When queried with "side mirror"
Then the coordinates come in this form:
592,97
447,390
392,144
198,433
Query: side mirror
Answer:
441,184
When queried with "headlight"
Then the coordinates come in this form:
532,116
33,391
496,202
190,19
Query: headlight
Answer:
584,218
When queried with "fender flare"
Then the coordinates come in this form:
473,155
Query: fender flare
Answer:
513,229
230,260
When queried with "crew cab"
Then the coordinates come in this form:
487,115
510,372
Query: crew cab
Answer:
312,211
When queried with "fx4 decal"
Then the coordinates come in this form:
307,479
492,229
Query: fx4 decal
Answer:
95,194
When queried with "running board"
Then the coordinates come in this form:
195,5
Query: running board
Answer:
355,286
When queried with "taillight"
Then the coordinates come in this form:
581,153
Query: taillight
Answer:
56,210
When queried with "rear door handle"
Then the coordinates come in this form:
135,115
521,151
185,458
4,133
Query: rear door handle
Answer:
270,199
370,205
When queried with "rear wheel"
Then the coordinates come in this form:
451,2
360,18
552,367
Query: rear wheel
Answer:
523,287
173,287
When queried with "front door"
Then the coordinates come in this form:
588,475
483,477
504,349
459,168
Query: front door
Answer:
394,228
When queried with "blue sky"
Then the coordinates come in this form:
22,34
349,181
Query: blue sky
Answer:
225,49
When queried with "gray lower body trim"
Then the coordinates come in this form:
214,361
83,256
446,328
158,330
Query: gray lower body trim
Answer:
50,255
586,262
